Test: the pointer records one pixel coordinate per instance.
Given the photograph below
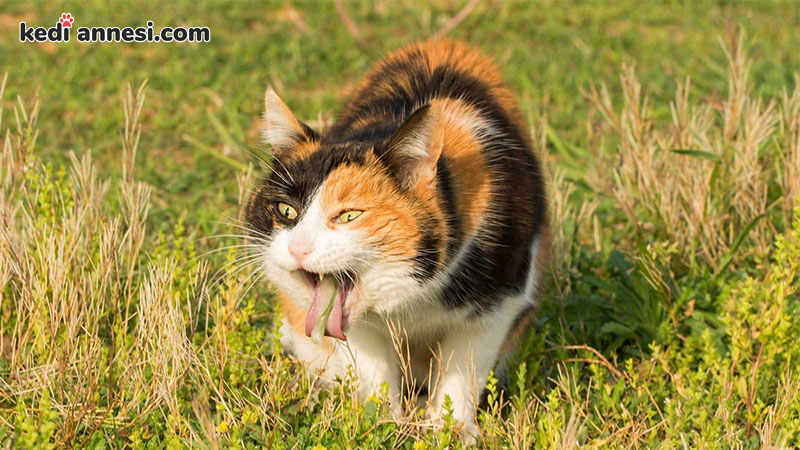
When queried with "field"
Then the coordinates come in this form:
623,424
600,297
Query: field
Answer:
131,316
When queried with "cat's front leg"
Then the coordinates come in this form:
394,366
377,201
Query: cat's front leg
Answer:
467,356
375,362
323,360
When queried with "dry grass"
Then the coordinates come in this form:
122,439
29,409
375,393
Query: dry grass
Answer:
99,334
703,178
790,129
68,271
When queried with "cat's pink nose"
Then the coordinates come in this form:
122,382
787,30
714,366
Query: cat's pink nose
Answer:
300,247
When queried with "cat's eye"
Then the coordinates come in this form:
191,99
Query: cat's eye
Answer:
286,211
348,216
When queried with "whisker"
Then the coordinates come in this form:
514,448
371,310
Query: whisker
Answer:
222,236
227,247
253,153
219,275
283,181
257,279
242,268
284,168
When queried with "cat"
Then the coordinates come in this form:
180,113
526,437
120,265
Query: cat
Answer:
420,215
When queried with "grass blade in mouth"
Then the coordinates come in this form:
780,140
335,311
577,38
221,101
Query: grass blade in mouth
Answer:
322,320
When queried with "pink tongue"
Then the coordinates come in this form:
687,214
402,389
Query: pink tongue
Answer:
334,326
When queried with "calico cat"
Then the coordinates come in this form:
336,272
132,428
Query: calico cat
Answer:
420,213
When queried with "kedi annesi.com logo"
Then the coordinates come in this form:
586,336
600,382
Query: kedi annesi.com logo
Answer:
62,31
58,33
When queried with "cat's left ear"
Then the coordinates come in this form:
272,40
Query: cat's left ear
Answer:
414,149
281,128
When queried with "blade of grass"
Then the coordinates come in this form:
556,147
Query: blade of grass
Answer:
568,151
736,244
697,154
208,150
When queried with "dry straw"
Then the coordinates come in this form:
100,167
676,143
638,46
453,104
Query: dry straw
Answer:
704,177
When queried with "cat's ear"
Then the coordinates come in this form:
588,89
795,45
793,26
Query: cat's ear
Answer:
414,149
281,128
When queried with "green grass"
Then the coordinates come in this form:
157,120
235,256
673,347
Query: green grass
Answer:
652,332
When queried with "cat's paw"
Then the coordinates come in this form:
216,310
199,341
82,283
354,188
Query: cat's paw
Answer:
396,409
465,424
469,433
382,392
468,430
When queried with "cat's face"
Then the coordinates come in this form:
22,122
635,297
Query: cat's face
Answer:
343,222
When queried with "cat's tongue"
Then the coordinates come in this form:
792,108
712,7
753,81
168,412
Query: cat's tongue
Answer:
323,291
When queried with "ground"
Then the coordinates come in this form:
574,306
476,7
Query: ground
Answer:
670,310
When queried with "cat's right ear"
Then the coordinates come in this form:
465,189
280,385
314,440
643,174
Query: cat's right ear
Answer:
281,128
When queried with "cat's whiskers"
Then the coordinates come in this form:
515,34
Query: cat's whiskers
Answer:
251,234
247,260
276,159
252,153
238,236
237,247
255,281
287,182
349,270
357,259
232,221
243,267
281,185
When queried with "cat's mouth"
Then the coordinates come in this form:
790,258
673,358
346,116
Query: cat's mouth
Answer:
326,288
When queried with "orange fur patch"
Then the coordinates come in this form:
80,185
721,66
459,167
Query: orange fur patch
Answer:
470,178
390,219
302,150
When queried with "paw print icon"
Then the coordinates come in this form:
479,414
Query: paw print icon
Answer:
66,20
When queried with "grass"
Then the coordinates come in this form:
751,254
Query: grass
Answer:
128,317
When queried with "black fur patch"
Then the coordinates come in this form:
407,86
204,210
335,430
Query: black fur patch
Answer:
444,185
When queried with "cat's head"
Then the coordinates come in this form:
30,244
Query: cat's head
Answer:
360,219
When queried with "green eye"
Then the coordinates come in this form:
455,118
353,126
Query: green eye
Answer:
348,216
287,211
